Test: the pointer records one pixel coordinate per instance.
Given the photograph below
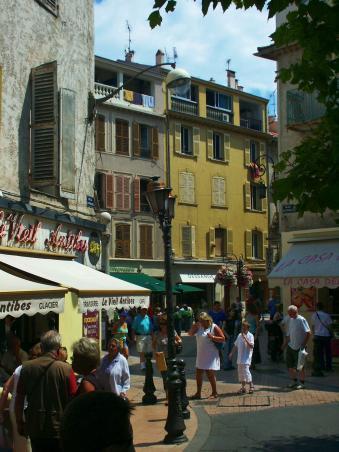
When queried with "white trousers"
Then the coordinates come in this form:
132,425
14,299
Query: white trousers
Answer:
244,373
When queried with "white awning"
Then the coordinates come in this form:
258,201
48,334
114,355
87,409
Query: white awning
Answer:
20,296
207,278
309,264
96,289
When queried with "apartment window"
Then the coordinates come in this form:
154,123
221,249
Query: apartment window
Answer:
186,188
51,5
218,100
103,190
122,192
144,206
218,146
255,198
220,242
254,151
186,140
100,133
122,240
146,241
145,141
191,93
121,137
257,245
218,191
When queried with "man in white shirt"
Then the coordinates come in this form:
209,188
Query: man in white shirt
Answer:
297,336
321,328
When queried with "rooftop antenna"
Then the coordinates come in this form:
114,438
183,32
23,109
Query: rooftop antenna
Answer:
228,63
175,53
166,54
129,28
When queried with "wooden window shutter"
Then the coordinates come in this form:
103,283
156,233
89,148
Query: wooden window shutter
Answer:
209,144
142,241
109,191
193,248
215,191
146,242
177,137
127,193
222,192
227,147
186,241
211,242
226,193
248,244
182,187
136,193
247,153
155,143
264,245
67,143
264,204
122,240
100,133
247,195
136,139
229,238
119,203
45,140
121,137
196,141
190,188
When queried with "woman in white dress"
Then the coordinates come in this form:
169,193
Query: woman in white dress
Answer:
206,333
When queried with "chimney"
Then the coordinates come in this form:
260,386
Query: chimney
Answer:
129,56
230,78
159,57
240,88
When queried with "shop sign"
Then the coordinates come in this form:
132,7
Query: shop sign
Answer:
308,281
90,324
17,308
121,269
115,302
90,201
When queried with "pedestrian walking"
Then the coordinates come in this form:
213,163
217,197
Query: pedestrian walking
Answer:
113,373
253,319
142,330
322,333
120,332
244,344
48,385
207,335
297,336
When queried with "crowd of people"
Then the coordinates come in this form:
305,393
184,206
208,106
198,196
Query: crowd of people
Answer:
50,398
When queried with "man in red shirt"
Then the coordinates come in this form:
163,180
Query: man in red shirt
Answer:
48,384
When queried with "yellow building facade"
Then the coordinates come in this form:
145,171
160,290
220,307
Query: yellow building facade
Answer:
217,141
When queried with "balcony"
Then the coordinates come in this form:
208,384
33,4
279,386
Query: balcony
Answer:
181,105
217,114
302,108
101,90
251,123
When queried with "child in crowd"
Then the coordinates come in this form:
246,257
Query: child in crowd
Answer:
244,344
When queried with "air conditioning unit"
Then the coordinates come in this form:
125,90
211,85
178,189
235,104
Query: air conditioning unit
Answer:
225,117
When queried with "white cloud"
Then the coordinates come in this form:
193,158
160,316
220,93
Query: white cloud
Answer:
203,43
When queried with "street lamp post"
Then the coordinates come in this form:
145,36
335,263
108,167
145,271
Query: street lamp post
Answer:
162,204
239,262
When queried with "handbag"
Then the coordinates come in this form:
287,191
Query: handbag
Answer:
219,345
160,361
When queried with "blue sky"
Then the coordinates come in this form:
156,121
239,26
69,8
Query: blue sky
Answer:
203,44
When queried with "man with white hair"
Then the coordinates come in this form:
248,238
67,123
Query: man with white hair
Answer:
297,335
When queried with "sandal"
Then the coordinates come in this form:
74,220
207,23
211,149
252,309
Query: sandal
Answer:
241,391
251,390
213,396
195,397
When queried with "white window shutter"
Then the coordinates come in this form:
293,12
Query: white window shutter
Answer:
222,192
177,137
211,242
227,147
248,244
209,144
196,141
190,188
215,191
247,154
229,239
247,195
193,248
186,241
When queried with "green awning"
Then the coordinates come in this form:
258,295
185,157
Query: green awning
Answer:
143,280
185,288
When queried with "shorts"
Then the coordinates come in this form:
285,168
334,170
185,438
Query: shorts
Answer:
291,358
144,344
244,373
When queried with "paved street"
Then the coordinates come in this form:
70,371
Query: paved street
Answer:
274,418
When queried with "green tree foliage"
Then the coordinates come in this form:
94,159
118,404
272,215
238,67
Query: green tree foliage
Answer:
309,173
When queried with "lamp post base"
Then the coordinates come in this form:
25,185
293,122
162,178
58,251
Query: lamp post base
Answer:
149,389
170,439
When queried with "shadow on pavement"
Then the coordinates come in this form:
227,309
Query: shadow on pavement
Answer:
302,444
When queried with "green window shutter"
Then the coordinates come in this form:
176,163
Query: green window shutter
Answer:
247,195
67,142
248,244
100,136
196,141
177,137
136,139
247,154
186,241
211,242
209,144
45,150
229,238
227,147
155,143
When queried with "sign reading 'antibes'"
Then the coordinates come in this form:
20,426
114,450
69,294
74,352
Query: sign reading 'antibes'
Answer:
31,306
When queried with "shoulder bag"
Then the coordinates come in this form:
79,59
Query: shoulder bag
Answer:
219,345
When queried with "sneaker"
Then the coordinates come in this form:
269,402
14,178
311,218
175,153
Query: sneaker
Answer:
292,385
300,386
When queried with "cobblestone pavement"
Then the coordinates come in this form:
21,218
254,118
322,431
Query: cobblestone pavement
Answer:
284,419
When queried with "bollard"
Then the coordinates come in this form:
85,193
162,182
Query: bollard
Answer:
149,389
